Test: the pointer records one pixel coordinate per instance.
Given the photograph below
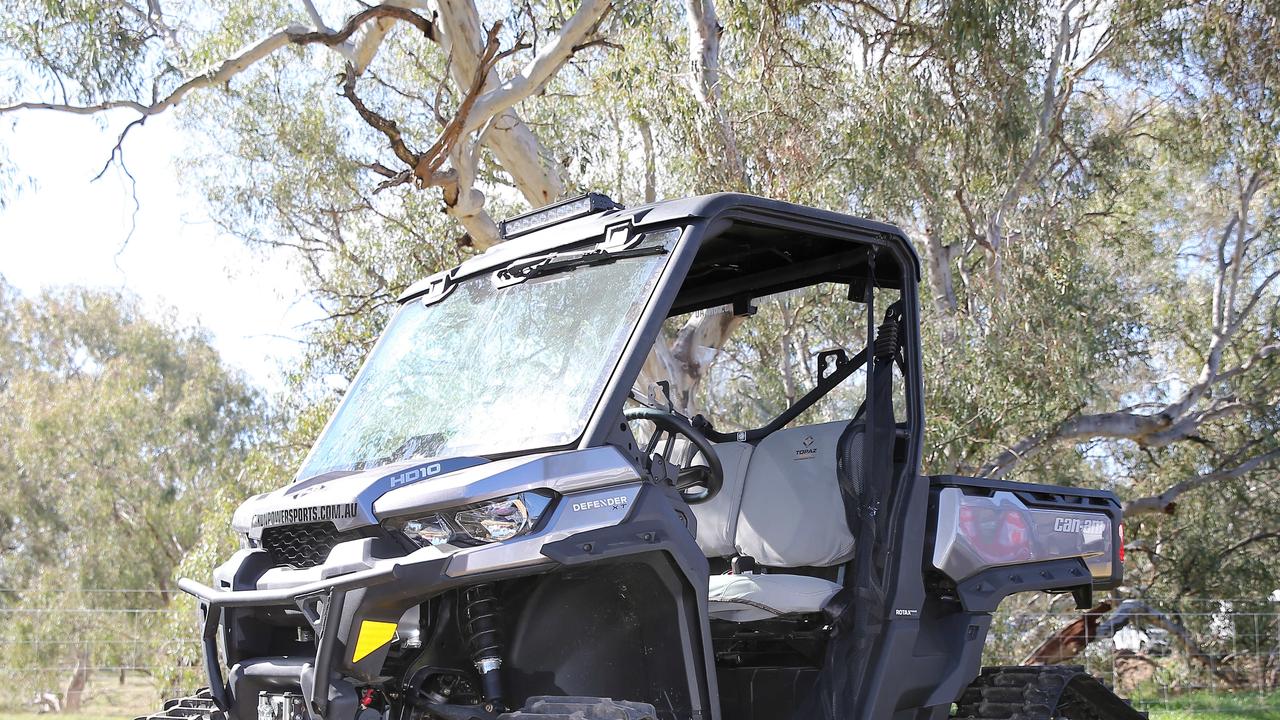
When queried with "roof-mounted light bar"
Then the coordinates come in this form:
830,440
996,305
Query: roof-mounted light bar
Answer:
581,206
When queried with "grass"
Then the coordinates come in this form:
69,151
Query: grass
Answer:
107,697
1215,706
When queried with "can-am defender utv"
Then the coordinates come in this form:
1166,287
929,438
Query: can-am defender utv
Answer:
503,520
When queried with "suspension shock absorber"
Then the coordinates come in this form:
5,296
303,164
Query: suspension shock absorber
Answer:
483,630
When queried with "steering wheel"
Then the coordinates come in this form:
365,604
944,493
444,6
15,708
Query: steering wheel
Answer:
696,483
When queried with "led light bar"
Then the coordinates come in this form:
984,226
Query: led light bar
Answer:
583,205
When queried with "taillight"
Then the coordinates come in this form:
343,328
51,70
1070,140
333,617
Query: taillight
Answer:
1121,528
999,535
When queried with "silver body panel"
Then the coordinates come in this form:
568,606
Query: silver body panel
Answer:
572,514
1053,534
563,472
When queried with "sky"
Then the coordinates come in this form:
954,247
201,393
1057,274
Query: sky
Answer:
61,228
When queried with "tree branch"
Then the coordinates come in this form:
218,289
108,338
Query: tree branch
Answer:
704,59
535,75
1181,417
295,34
1165,501
514,145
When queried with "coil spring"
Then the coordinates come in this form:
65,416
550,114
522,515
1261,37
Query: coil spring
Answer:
887,338
480,622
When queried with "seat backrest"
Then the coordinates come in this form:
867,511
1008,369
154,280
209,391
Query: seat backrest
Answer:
781,501
718,517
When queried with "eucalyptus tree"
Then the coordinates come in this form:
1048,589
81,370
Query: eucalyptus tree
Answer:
1091,187
96,57
1090,184
119,432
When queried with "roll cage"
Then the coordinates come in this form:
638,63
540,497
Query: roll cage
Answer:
734,248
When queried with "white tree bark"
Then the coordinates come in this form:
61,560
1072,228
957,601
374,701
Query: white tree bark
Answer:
650,162
514,145
535,75
485,116
704,59
938,255
684,362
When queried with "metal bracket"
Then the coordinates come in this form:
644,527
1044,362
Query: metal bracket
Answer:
829,361
439,287
666,391
619,237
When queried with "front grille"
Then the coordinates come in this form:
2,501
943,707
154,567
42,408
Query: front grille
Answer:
303,546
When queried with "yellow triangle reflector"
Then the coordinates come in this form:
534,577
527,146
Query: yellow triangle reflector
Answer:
373,635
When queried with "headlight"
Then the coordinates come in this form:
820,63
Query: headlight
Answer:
480,523
428,530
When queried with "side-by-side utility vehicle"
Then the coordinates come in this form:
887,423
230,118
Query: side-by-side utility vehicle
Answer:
514,514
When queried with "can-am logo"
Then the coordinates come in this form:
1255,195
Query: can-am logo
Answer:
1078,525
293,516
613,502
808,451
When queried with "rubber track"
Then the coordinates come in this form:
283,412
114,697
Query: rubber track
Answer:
192,707
1051,692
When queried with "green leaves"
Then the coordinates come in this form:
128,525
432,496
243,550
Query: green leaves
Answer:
1071,172
117,427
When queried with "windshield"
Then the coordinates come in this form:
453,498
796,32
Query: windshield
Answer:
491,369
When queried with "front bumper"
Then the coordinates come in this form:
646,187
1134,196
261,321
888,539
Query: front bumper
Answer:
332,607
353,589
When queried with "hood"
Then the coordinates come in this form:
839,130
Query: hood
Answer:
343,498
356,499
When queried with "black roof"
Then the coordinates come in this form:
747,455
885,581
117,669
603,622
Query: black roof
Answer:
752,246
756,246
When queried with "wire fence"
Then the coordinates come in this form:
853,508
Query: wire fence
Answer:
121,651
1192,656
105,652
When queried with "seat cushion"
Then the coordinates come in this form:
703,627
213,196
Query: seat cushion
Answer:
743,598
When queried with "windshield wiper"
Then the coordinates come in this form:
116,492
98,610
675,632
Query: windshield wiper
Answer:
544,265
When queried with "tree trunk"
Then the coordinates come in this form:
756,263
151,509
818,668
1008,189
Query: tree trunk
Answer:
684,361
938,256
650,165
704,57
513,143
74,695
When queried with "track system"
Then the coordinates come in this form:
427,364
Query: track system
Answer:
1041,693
192,707
200,707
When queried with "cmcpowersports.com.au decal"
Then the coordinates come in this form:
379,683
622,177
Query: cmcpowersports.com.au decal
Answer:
292,516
